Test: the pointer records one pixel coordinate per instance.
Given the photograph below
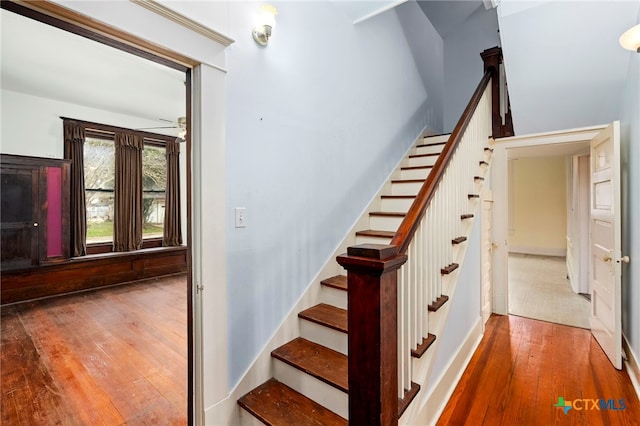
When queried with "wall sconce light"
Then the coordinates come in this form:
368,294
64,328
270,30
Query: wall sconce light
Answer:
630,40
266,24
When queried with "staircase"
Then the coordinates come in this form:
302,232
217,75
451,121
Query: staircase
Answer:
310,384
401,273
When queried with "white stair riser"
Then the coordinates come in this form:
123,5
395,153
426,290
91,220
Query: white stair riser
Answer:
396,204
414,173
436,139
317,390
333,296
429,149
372,240
385,223
247,419
410,188
325,336
422,161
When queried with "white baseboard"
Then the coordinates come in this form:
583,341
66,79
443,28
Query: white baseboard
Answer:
538,251
437,399
633,367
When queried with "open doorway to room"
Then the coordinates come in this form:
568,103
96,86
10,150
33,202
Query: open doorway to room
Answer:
115,354
548,233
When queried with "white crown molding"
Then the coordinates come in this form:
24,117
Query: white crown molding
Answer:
165,12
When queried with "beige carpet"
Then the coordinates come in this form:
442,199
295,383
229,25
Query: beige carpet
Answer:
539,289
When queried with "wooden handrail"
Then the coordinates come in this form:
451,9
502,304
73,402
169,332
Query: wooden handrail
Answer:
410,223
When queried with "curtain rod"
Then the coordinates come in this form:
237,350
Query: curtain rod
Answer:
113,129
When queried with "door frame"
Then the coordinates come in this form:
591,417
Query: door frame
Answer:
202,76
499,183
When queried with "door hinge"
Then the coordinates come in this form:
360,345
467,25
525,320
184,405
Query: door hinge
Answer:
199,288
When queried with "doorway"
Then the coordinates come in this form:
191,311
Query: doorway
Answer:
541,236
87,100
564,144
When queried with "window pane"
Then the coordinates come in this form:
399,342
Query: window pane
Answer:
99,180
154,183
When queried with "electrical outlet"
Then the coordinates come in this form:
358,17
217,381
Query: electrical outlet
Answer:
241,217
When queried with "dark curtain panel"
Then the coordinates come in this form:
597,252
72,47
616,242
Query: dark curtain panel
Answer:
74,151
172,220
127,224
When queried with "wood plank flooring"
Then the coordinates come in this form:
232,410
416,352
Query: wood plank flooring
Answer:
113,356
523,366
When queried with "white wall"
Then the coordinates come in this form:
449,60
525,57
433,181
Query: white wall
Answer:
31,125
463,65
315,122
630,152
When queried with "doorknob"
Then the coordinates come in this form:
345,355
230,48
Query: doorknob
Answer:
494,245
607,258
624,259
35,224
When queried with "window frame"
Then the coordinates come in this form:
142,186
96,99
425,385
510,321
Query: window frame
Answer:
107,132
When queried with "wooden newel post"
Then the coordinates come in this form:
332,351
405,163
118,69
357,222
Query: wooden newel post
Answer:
373,333
492,59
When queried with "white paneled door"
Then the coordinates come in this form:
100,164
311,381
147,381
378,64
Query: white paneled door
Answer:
605,259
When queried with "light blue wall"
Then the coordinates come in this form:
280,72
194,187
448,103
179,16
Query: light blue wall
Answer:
463,66
465,308
315,122
630,152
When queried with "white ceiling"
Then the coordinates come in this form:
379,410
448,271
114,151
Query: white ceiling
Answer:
44,61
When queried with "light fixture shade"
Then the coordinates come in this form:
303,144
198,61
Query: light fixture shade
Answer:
266,23
631,39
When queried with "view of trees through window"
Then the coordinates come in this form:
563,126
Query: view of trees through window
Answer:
99,175
99,181
154,183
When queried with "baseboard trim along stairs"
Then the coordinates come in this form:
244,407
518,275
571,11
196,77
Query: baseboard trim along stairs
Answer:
310,382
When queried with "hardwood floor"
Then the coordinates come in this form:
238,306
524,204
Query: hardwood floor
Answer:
107,357
523,366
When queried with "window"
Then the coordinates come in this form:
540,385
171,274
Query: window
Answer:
154,183
99,179
109,227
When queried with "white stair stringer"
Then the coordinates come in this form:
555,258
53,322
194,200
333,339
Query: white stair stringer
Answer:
422,367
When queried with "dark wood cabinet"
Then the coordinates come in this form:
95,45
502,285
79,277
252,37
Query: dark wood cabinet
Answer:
34,211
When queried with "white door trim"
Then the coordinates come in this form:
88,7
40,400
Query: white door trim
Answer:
499,183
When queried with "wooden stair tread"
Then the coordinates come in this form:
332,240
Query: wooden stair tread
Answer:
422,347
407,180
438,303
390,214
478,178
409,395
424,145
449,269
416,167
316,360
375,233
466,216
276,404
398,197
433,154
338,282
326,315
459,240
470,196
